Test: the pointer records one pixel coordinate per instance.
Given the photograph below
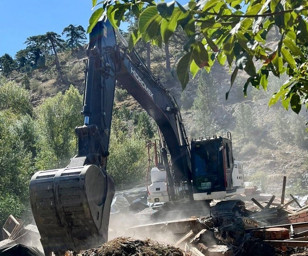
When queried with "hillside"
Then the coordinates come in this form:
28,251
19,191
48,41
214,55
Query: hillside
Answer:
271,142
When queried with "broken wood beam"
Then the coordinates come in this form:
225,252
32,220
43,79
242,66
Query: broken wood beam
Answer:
295,201
270,202
197,237
272,233
176,226
288,203
283,193
195,252
257,203
202,248
288,243
301,234
184,238
287,225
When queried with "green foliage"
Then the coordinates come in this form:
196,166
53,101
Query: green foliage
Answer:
57,118
7,64
204,105
245,123
14,98
144,126
232,31
10,204
76,36
128,160
259,179
17,149
120,94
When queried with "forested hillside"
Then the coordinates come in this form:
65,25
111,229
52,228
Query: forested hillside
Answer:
41,98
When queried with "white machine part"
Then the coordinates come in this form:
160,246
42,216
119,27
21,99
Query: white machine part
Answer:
158,190
238,174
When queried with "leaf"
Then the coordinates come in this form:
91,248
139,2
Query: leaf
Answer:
303,30
282,91
233,76
133,39
200,55
292,47
181,7
278,63
94,19
253,10
285,101
250,67
228,44
94,3
295,103
209,4
165,9
246,86
194,68
235,3
264,81
183,68
288,57
273,5
153,31
211,44
279,19
221,57
167,28
146,17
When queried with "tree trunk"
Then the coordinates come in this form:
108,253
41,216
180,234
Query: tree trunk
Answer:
58,67
168,66
148,47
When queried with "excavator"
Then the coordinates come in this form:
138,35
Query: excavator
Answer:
71,205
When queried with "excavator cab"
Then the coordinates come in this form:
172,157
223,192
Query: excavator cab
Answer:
212,166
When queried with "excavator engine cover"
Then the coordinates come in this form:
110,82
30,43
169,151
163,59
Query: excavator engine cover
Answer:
71,207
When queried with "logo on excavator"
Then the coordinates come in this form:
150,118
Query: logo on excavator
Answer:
139,80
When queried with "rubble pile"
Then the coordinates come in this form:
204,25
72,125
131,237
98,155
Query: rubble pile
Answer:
255,226
129,246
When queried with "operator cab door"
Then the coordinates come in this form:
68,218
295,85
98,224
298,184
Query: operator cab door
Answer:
212,165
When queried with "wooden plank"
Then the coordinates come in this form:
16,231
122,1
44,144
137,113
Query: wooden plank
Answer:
195,252
288,243
270,202
295,201
283,193
202,247
184,238
287,225
257,203
300,234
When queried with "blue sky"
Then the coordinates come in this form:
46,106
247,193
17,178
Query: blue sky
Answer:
20,19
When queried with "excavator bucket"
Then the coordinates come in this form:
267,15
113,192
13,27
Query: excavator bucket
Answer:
71,207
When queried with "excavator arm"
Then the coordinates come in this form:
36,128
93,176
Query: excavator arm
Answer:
71,206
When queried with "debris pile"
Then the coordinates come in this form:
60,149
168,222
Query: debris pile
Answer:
258,226
129,246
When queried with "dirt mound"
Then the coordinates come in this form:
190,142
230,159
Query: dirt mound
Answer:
129,246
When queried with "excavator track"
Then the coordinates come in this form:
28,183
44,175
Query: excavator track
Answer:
68,207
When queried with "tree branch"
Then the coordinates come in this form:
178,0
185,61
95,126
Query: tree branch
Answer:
251,15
